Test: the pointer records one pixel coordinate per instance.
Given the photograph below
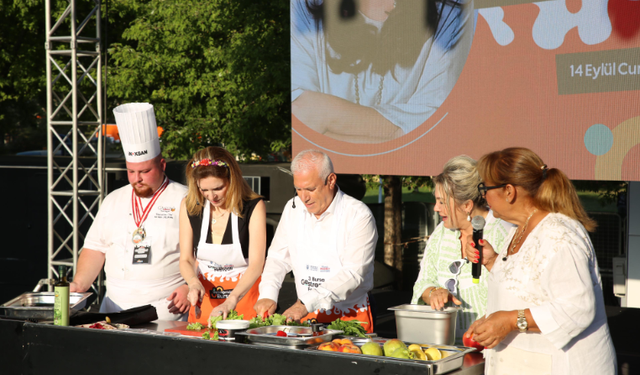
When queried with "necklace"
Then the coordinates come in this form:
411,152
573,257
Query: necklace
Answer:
378,94
524,229
215,219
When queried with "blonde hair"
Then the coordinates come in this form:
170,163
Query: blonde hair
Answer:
549,188
459,180
237,191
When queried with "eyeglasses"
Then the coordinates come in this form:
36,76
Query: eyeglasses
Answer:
482,188
455,267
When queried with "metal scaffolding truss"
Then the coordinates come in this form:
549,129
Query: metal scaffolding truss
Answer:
74,133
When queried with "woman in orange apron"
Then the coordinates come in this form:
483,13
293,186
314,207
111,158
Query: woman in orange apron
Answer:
222,237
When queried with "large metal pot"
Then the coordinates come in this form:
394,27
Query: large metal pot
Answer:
421,324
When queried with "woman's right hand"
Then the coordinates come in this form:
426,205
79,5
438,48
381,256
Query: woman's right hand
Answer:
488,254
196,292
438,297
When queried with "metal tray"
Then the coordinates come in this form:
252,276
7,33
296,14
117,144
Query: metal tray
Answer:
39,305
453,361
266,336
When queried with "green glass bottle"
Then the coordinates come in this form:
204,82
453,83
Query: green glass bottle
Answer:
61,302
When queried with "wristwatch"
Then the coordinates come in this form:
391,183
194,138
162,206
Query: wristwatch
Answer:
522,322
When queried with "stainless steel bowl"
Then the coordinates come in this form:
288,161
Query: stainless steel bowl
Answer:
39,305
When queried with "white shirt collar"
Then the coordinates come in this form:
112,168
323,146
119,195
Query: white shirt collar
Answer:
332,207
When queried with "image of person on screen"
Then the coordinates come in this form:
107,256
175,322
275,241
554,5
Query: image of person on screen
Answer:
368,71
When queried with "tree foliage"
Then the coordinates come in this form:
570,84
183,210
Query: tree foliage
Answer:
22,73
216,71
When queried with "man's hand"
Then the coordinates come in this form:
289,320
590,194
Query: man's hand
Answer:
179,303
265,305
75,288
296,312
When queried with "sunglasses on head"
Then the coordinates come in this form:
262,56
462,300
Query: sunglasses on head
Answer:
455,267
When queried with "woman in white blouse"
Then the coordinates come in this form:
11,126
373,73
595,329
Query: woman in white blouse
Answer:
545,310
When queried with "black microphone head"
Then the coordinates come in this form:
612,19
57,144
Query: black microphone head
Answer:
477,222
293,204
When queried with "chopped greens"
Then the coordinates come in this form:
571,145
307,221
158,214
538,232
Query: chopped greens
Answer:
273,320
349,327
195,326
207,335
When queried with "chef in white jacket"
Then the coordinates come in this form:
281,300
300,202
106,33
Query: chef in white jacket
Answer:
328,240
135,234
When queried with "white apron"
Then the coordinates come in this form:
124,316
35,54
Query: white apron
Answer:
217,260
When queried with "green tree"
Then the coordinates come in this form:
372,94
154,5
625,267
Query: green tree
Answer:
22,74
216,71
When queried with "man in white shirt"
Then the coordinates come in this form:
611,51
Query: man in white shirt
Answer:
329,245
135,234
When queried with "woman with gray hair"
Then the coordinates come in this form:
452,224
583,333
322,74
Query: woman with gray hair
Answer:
445,274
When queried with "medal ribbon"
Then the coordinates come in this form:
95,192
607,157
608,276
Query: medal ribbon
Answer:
136,203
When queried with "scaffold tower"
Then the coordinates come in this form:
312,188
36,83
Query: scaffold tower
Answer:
74,133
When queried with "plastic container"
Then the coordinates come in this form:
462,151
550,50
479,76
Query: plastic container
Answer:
421,324
227,329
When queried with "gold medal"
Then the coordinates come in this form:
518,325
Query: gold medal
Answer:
139,217
139,235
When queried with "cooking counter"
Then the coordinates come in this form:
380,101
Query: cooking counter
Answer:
31,348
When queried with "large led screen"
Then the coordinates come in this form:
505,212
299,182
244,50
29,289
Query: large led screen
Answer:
399,87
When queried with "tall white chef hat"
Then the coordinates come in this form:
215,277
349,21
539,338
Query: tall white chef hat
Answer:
138,131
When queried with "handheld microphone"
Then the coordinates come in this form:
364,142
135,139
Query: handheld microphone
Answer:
476,268
293,203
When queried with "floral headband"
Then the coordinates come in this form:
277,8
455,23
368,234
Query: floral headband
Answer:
208,162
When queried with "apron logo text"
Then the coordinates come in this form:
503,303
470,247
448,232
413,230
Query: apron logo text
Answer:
312,282
218,268
218,292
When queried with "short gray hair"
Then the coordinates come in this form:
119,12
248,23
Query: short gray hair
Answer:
309,159
459,179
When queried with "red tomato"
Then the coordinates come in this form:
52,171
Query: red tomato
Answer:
281,334
471,343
